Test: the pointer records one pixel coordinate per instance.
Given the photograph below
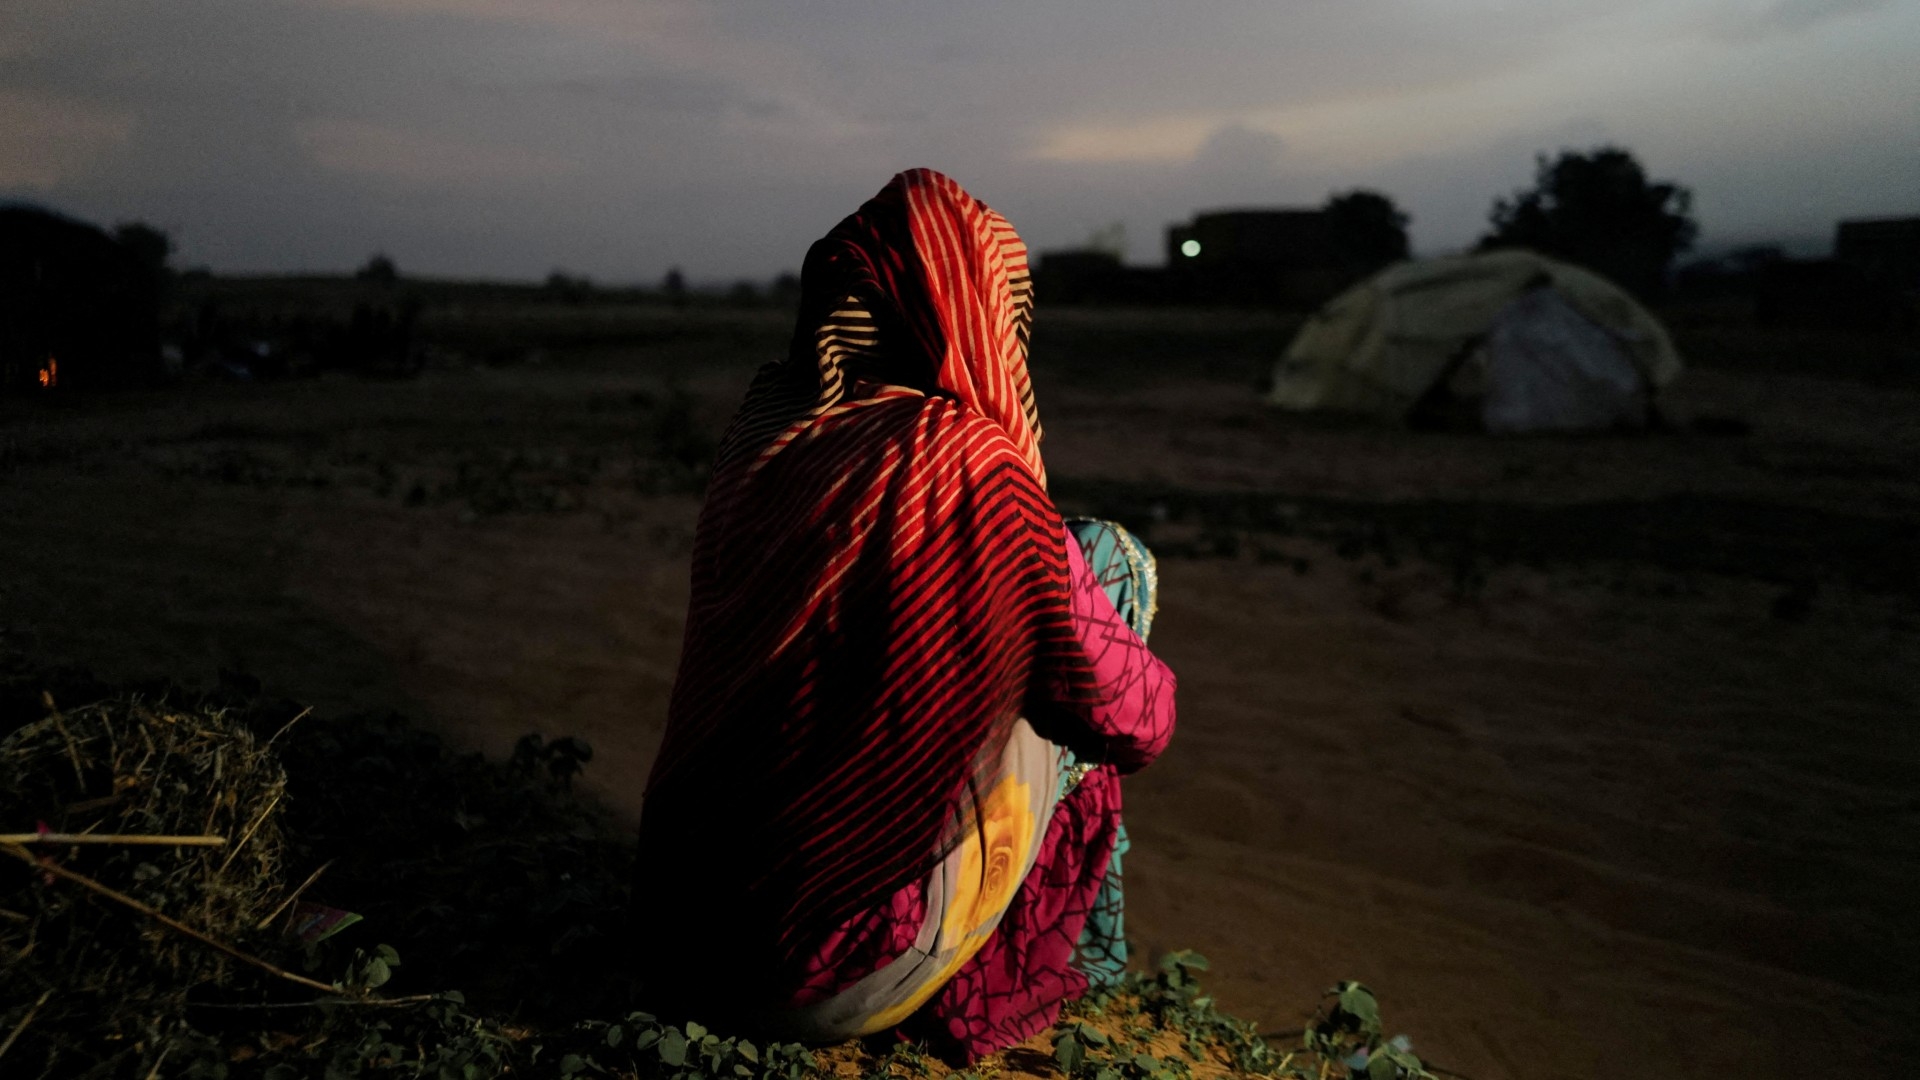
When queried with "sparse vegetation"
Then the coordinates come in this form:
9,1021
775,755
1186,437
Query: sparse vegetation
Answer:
504,891
1679,533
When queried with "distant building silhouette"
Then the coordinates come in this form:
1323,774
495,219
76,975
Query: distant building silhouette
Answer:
1092,276
1885,249
78,309
1287,257
1872,282
1284,256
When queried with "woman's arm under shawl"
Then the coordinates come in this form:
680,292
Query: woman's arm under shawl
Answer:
1132,721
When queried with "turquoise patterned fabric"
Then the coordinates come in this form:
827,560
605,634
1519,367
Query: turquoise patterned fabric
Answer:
1126,570
1124,567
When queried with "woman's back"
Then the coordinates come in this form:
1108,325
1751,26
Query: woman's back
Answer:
885,657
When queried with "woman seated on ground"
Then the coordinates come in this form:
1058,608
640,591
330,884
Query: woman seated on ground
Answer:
889,795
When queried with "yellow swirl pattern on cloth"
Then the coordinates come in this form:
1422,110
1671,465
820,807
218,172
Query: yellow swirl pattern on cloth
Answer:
993,860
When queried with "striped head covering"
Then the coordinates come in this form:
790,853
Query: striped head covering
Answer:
879,591
944,278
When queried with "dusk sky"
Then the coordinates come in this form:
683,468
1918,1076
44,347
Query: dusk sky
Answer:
506,138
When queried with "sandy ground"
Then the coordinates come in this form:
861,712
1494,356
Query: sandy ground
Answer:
1609,806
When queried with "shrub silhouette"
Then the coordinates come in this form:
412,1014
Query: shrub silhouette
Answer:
380,269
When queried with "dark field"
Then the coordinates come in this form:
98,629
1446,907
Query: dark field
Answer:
1594,756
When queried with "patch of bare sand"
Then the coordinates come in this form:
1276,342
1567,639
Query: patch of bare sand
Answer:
1557,833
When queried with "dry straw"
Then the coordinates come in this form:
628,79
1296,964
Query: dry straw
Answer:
146,858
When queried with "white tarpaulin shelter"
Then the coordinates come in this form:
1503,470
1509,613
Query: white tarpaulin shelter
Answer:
1532,344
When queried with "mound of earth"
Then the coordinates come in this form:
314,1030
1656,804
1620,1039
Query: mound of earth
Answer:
219,886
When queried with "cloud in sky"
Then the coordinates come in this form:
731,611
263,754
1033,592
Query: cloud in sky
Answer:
1792,16
620,137
421,158
51,139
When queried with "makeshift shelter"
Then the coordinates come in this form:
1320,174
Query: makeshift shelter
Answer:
1520,341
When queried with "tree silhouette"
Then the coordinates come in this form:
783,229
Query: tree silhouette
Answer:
150,247
1599,210
1366,231
1110,238
380,268
147,250
572,289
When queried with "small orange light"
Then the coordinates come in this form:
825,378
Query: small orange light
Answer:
50,374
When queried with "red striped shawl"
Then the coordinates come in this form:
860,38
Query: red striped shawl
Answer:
879,590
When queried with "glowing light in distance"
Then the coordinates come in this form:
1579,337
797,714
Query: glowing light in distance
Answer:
1190,248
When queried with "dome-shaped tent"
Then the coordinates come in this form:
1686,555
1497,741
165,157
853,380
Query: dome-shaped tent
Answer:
1530,343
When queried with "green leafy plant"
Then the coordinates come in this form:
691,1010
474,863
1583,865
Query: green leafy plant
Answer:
1347,1029
640,1044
